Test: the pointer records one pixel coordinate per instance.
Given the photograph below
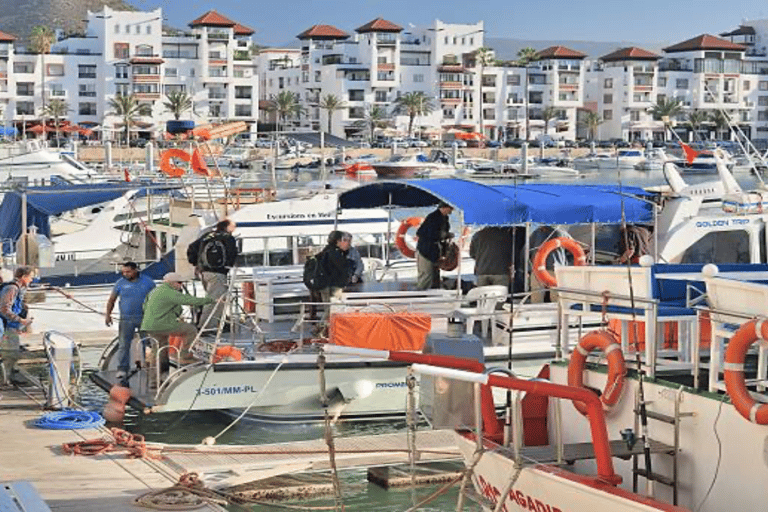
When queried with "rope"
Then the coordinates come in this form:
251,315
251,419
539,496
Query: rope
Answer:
69,419
188,494
134,444
329,435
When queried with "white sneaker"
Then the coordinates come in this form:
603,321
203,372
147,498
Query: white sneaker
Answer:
120,375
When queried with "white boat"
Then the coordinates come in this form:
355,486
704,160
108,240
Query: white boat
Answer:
621,159
30,161
411,166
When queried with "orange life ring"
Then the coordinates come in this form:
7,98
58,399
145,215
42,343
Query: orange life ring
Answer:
734,371
198,164
249,297
167,166
227,353
540,260
410,222
617,369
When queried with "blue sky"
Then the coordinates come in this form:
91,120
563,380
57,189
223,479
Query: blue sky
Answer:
665,21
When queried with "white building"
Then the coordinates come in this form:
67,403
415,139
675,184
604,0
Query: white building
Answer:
124,53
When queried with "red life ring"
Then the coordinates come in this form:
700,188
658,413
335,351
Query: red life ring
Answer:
617,369
167,166
734,371
540,260
410,222
227,353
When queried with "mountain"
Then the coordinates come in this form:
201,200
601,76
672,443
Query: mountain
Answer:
507,48
18,17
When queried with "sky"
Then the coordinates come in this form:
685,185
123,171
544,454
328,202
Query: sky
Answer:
655,21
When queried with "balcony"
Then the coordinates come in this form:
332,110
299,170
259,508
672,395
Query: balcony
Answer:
86,75
147,95
385,66
386,40
450,85
218,36
145,78
242,55
85,94
217,95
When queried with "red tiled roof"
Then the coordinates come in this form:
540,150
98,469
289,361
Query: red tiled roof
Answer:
630,53
704,42
6,37
323,32
379,25
242,30
560,52
212,19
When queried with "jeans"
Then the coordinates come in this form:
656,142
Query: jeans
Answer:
126,330
215,285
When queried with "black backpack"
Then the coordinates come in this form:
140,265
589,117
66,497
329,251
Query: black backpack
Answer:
315,276
209,251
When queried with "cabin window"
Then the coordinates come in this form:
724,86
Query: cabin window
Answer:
719,247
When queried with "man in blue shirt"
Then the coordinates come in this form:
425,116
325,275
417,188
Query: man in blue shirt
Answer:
132,289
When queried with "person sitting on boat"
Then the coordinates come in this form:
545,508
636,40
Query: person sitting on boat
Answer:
162,317
491,249
213,255
433,233
336,269
355,263
13,311
132,289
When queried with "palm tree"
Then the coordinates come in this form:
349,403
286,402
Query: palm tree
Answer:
524,57
591,120
40,41
721,122
285,104
695,119
331,103
413,104
178,103
129,109
547,115
666,109
56,109
374,117
483,58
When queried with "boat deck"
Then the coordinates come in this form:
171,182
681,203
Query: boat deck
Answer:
585,451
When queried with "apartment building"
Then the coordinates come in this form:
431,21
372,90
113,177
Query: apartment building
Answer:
124,53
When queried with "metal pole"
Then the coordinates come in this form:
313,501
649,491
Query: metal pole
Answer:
24,244
323,173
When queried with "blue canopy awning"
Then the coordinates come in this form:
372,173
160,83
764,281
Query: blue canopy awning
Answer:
9,131
509,205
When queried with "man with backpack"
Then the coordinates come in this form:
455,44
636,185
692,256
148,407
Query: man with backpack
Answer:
213,255
13,313
327,273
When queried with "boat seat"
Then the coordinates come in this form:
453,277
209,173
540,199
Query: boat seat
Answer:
485,298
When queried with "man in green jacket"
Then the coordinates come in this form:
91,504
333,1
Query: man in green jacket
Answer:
162,317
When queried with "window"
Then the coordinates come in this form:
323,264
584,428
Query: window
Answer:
463,41
762,101
117,28
122,89
149,29
681,83
144,50
214,110
608,83
55,69
607,99
145,88
87,90
57,91
317,76
86,109
216,94
25,89
381,96
121,71
28,67
168,89
634,116
730,246
661,97
747,85
607,114
356,95
243,92
418,78
762,115
122,50
86,71
243,110
138,29
446,39
513,79
25,108
127,29
763,86
146,69
171,72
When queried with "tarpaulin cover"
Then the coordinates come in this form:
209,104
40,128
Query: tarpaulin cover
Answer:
380,331
509,205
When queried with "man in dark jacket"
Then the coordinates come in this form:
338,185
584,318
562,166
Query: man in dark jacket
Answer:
492,250
216,255
336,268
433,233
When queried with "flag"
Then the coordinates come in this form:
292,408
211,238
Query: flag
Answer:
690,153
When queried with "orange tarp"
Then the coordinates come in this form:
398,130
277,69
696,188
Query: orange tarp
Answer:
380,331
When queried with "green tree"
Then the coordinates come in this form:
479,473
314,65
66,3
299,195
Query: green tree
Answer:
56,108
40,41
373,118
129,110
695,119
547,115
721,122
525,57
666,109
483,58
591,121
178,103
331,103
285,105
413,104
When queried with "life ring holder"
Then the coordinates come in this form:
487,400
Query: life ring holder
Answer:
227,353
540,260
735,383
410,222
617,369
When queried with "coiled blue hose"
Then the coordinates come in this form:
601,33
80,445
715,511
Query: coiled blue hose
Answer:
69,419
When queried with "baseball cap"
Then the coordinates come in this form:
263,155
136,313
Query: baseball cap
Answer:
173,277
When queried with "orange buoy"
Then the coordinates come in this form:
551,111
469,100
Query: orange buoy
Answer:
166,163
114,410
227,353
249,294
540,260
198,164
617,369
410,222
735,382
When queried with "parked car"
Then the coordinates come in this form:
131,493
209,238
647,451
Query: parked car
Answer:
513,143
416,143
493,144
459,143
138,142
